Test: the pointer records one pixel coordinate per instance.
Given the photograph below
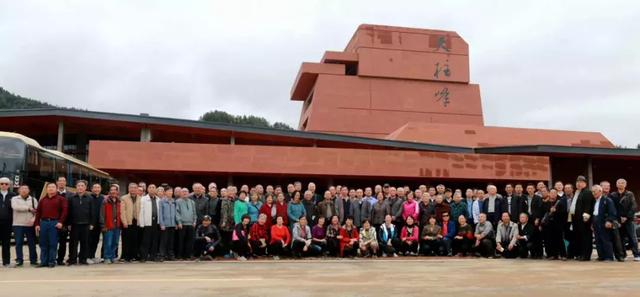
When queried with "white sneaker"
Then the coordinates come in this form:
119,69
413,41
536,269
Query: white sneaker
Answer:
242,258
90,261
395,255
276,258
384,255
637,259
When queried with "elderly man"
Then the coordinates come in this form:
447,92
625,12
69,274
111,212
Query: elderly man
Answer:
604,221
24,212
149,219
626,205
484,237
492,205
580,212
201,201
507,237
6,219
51,212
129,212
81,219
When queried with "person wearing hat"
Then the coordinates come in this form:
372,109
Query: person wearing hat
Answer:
6,219
207,239
580,212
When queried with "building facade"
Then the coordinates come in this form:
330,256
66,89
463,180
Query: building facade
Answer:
397,105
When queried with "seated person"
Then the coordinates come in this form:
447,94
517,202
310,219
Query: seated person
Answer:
525,231
258,236
301,244
388,240
349,240
319,236
506,237
207,239
368,240
464,238
484,237
409,237
333,236
448,232
431,237
280,238
240,238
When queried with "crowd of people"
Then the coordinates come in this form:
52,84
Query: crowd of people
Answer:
165,223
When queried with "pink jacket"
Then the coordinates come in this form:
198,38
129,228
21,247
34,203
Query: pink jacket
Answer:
410,209
414,235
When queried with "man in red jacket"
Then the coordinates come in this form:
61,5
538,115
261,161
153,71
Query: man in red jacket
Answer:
111,224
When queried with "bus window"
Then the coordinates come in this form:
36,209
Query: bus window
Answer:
12,153
61,168
46,167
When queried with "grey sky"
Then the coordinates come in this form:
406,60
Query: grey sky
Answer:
547,64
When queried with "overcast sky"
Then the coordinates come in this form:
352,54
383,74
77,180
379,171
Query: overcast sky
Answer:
549,64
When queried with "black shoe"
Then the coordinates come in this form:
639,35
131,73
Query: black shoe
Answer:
19,264
52,265
42,265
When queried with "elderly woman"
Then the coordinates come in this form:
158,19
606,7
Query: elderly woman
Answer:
388,240
333,236
319,236
349,241
368,240
280,238
464,238
409,237
379,210
302,243
240,238
253,207
258,236
431,237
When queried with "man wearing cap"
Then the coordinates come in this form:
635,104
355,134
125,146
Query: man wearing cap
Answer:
6,219
580,212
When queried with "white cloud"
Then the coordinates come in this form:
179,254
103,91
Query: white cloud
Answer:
546,64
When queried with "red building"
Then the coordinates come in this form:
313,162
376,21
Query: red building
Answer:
396,105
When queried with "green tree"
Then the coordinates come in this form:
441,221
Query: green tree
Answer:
219,116
11,101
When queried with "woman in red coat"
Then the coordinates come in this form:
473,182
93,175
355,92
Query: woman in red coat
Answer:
349,241
281,209
268,209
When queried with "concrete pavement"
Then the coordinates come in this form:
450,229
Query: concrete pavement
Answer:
365,277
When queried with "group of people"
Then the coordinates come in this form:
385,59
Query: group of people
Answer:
165,223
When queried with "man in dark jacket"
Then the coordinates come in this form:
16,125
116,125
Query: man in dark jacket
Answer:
531,204
525,233
580,212
6,219
213,204
63,233
201,200
604,221
626,206
94,235
207,239
81,220
511,203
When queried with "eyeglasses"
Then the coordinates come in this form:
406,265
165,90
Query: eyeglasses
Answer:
4,184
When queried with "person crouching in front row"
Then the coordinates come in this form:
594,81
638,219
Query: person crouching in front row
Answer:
207,239
506,238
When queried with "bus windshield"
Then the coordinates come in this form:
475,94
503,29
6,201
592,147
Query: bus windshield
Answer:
11,156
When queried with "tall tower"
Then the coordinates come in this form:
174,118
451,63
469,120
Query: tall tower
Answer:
385,78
